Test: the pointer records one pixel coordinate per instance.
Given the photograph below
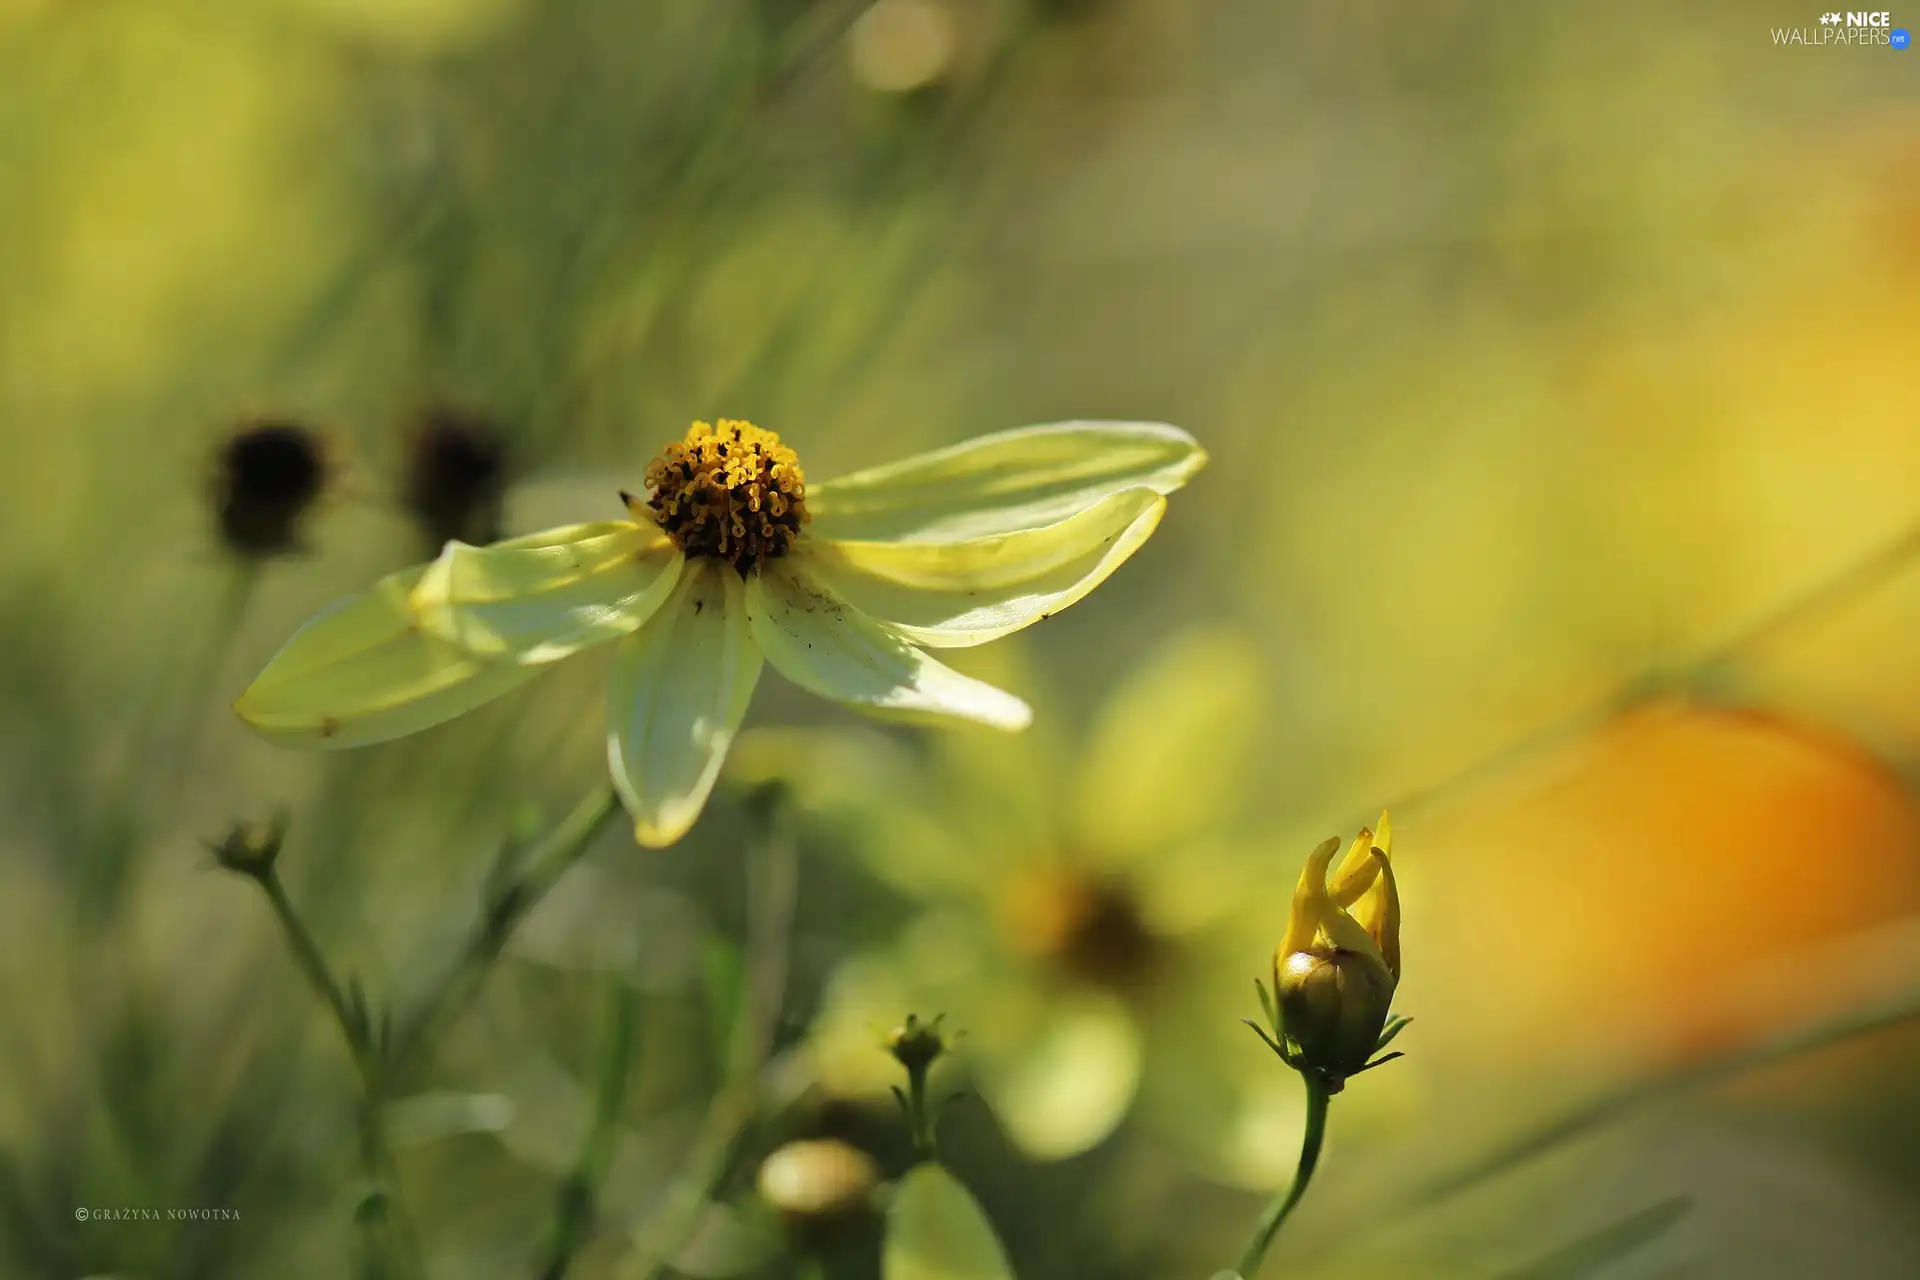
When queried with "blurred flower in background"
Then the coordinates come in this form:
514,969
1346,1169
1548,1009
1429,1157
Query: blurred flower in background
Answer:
1079,911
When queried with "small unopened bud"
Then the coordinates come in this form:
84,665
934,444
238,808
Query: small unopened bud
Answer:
1333,1006
456,477
916,1044
250,848
1336,968
267,476
818,1180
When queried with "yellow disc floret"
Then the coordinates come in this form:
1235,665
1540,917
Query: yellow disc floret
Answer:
728,490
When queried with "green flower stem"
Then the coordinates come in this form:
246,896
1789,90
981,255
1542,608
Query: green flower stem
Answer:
131,811
236,595
384,1058
506,906
573,1216
312,963
773,874
378,1213
1276,1213
920,1121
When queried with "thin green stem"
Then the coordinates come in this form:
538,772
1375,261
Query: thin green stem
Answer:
379,1213
919,1120
382,1058
507,906
131,811
1276,1213
772,886
236,595
313,964
573,1214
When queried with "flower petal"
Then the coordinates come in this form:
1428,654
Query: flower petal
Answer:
999,483
1316,923
548,595
364,671
824,645
1359,869
679,689
1379,913
953,594
1072,1083
936,1230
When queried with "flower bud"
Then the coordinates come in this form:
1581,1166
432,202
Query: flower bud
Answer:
1333,1006
1336,968
916,1044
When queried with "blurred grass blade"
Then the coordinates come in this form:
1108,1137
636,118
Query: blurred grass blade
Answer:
1613,1106
1588,1255
936,1230
724,971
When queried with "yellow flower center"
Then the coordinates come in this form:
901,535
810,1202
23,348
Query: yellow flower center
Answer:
728,490
1089,928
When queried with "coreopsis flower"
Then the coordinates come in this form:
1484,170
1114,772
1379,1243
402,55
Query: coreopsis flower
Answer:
1077,907
728,559
1337,965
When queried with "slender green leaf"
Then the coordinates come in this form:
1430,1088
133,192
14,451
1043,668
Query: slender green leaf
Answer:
1591,1253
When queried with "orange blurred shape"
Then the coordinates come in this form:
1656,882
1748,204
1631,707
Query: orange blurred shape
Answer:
1624,898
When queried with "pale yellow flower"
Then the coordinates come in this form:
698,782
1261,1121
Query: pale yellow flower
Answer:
729,559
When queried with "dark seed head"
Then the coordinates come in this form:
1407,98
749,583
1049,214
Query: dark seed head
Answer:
267,476
456,476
